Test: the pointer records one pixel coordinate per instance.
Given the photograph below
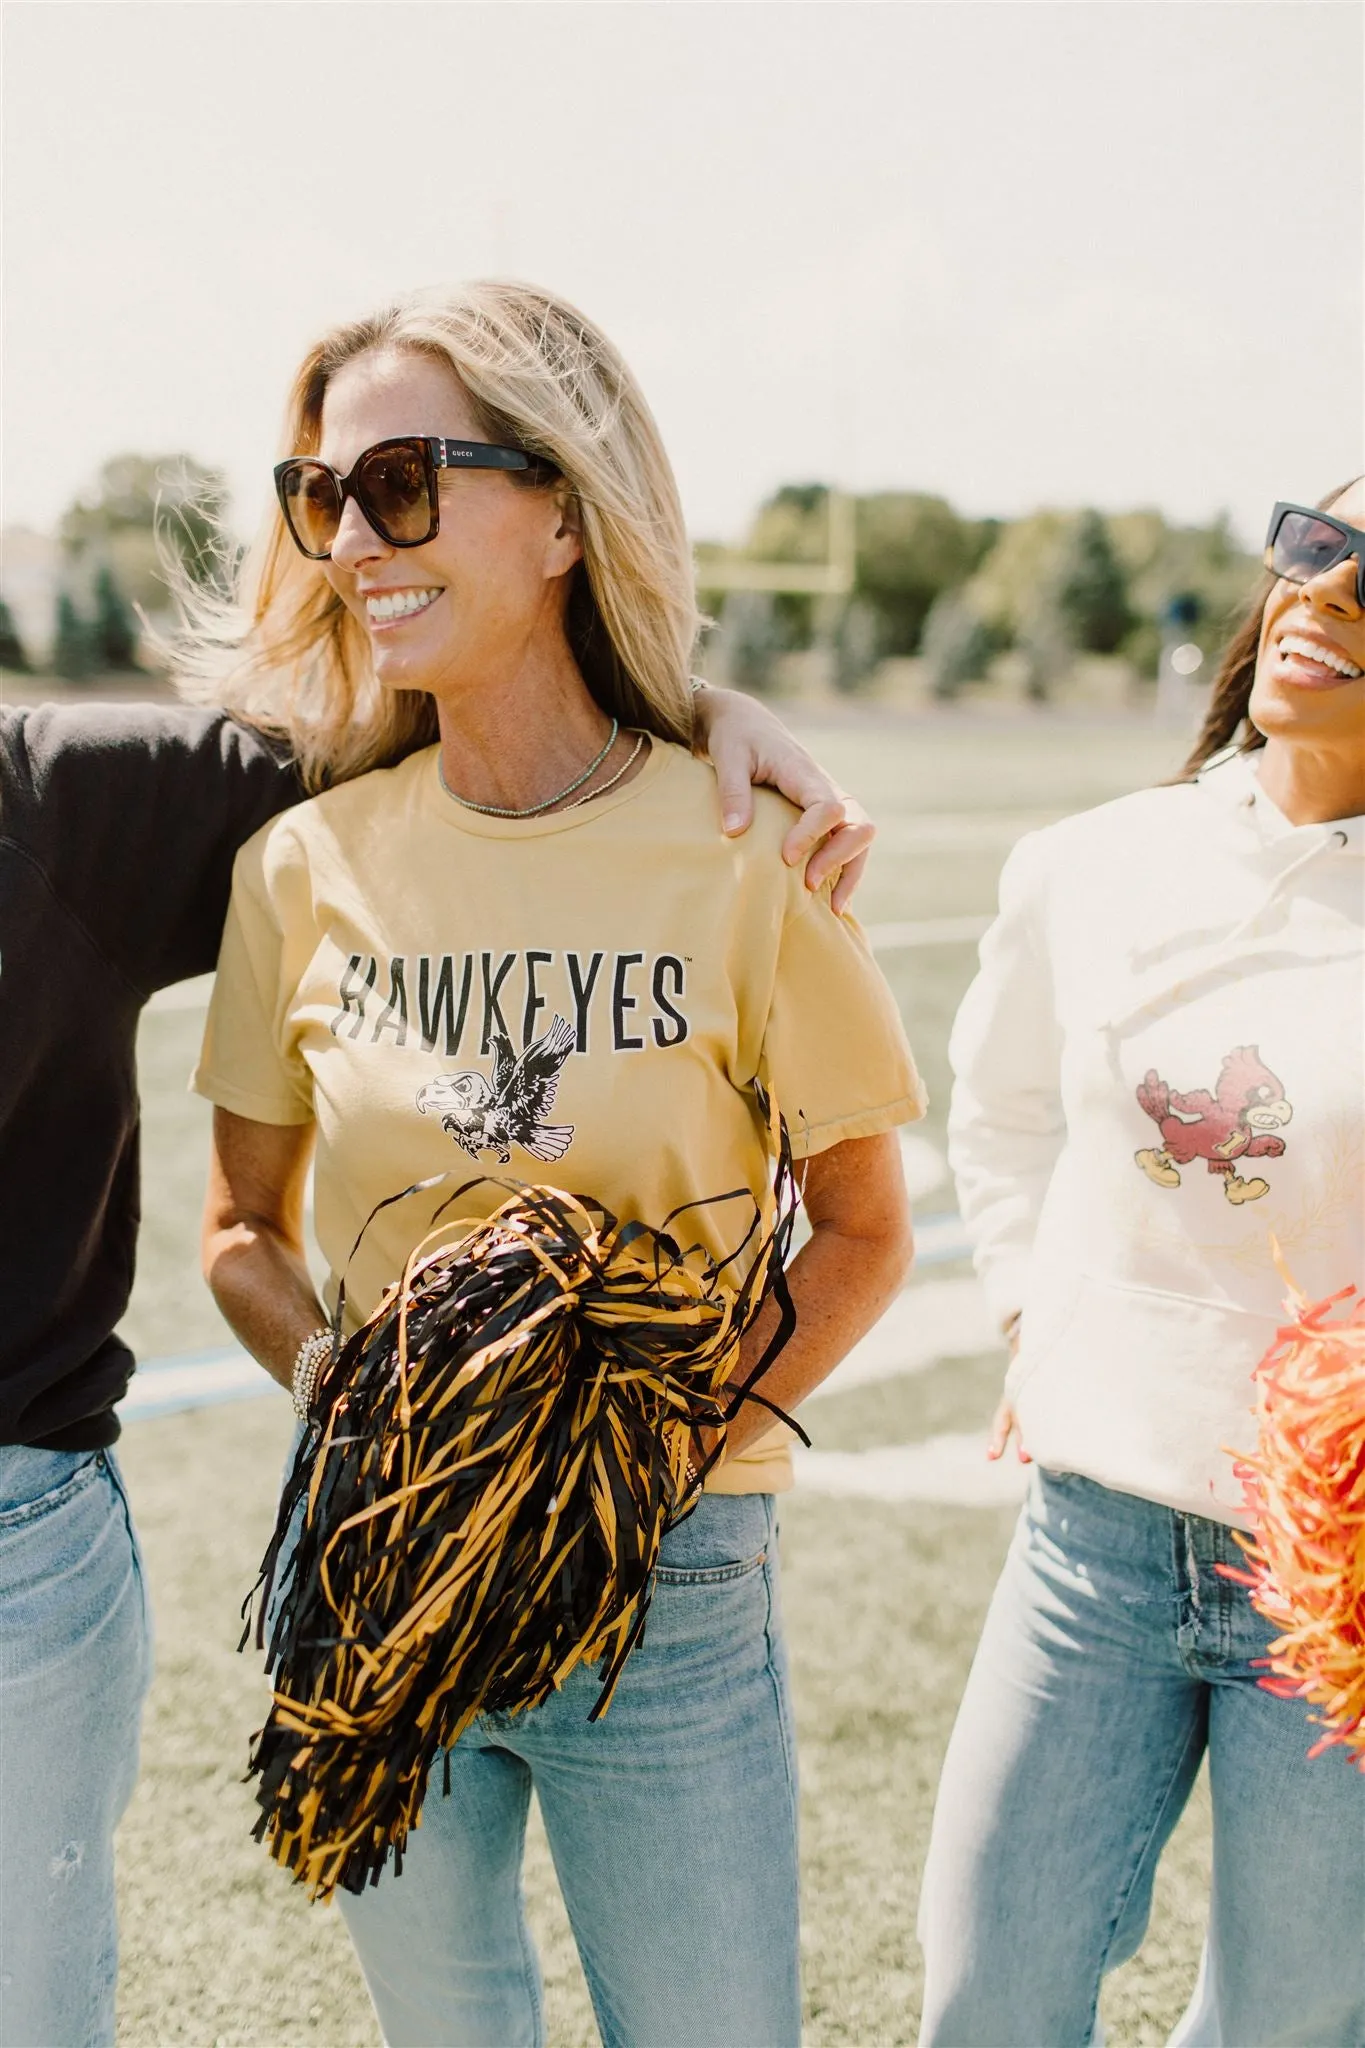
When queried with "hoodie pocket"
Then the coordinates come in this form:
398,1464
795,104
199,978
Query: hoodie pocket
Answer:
1042,1330
1148,1391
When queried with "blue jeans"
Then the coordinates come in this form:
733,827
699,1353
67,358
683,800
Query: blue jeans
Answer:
1113,1658
75,1659
672,1822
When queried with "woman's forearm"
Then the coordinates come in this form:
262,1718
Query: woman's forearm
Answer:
265,1291
840,1285
252,1244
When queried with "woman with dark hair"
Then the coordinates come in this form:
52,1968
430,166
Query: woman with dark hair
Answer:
1228,720
1159,1112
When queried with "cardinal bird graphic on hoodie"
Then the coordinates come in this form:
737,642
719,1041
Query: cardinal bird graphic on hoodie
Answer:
484,1116
1238,1121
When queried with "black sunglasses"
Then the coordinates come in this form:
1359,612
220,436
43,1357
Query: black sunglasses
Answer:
394,484
1303,543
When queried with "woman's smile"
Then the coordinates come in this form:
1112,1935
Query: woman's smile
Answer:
1310,661
385,609
1308,685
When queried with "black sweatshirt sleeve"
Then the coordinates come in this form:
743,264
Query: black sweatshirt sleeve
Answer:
136,813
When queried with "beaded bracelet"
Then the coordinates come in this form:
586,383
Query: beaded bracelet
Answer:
309,1360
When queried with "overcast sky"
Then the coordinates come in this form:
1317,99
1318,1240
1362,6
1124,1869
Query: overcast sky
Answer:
1021,254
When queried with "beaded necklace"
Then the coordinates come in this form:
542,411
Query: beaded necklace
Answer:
612,780
549,802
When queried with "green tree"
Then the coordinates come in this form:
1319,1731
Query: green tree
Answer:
1006,588
113,628
791,526
1045,637
143,508
857,642
911,548
73,649
12,655
1053,583
753,639
1090,590
1163,561
956,644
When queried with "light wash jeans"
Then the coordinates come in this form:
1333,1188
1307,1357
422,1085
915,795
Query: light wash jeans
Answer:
1113,1658
75,1659
672,1821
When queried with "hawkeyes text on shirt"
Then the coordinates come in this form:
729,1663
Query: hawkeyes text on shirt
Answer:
622,1001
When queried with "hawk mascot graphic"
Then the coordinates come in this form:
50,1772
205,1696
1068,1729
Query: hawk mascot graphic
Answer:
1237,1122
484,1116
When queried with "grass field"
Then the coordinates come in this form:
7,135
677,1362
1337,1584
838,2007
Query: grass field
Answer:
883,1600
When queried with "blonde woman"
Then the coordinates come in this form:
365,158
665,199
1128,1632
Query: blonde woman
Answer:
94,919
476,514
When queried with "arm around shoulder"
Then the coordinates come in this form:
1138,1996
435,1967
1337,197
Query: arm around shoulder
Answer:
748,744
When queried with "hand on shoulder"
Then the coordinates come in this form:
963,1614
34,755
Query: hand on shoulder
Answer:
748,744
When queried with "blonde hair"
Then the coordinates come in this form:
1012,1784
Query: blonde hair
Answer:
282,651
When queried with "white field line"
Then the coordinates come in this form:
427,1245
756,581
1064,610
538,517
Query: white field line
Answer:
931,1321
928,1321
165,1386
925,1167
952,1469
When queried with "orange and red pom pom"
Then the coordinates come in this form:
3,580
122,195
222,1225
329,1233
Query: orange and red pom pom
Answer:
1305,1491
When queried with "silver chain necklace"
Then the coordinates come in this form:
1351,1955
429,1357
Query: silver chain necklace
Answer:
530,810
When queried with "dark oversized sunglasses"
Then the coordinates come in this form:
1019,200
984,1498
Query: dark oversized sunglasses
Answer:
1303,543
394,483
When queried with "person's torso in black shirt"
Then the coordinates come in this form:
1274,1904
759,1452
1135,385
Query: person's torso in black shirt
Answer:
118,829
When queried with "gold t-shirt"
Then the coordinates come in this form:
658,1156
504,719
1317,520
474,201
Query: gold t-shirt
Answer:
582,999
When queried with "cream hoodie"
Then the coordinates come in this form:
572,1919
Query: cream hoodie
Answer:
1161,1062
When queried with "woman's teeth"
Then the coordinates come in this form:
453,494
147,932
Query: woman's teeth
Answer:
1326,657
397,604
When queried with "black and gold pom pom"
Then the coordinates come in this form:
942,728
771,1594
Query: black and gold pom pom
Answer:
479,1498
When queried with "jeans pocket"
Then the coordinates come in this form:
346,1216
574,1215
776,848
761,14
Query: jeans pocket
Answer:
711,1575
70,1574
726,1537
41,1483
